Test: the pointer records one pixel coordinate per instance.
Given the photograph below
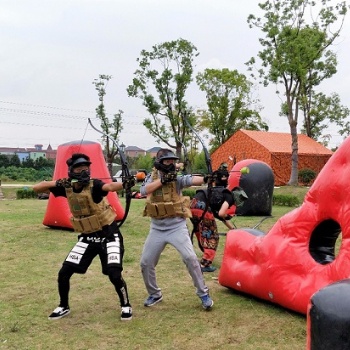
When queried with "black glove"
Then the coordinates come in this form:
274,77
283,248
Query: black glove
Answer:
66,183
128,183
169,177
209,178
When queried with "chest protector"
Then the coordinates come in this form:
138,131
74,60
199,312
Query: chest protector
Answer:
88,216
217,198
166,202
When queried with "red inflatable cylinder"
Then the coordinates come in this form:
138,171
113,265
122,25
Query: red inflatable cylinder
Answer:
57,213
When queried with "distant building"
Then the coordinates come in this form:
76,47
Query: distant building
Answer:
134,151
29,153
50,153
153,151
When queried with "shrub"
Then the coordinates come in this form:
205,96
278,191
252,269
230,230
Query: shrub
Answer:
26,193
306,176
285,200
189,192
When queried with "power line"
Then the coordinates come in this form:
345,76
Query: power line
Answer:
58,108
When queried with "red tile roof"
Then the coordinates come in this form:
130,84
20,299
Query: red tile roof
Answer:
278,142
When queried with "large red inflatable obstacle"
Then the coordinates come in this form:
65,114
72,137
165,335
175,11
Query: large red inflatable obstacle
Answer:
258,184
296,258
57,212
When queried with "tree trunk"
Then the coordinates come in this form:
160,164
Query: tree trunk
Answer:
293,181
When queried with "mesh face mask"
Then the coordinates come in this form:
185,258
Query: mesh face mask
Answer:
83,177
162,155
164,168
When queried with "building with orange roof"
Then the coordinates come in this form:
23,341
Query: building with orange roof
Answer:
273,148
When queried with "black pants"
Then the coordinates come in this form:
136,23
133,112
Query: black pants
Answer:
108,245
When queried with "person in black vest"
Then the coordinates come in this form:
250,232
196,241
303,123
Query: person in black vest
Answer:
94,219
214,207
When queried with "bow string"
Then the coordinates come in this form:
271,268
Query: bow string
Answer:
125,172
210,172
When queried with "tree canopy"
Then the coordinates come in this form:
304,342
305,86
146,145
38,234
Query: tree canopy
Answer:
112,128
229,103
295,52
161,82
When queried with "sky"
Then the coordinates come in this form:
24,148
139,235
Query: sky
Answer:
52,50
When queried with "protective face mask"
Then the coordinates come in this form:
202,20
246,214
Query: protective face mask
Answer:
83,177
164,168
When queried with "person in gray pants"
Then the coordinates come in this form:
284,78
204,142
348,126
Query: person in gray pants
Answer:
168,210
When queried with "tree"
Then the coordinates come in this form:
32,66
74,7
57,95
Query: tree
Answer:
323,110
15,161
229,104
292,49
163,91
144,162
42,163
4,161
110,128
28,163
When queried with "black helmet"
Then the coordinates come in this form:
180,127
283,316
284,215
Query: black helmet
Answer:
165,153
223,166
78,159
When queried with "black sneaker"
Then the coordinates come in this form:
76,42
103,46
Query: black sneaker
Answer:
209,268
153,300
126,314
59,312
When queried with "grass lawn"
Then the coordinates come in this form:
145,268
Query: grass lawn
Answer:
32,254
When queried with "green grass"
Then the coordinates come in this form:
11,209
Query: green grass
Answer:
31,255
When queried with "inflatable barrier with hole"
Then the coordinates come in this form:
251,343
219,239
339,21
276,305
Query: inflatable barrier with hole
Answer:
297,257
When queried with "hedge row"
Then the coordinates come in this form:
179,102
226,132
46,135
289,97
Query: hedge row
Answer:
277,199
280,199
25,193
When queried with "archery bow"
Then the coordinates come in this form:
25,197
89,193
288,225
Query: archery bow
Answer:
208,163
210,181
125,172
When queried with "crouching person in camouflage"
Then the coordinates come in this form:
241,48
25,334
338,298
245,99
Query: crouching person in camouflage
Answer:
94,219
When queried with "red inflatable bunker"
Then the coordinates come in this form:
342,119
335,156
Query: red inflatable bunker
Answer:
296,258
57,211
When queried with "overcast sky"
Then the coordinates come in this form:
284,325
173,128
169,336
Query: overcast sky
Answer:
52,50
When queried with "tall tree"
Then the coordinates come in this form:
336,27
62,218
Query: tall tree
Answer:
229,104
321,111
161,82
112,128
293,46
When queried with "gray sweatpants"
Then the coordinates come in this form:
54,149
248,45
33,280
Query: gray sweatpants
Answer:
155,243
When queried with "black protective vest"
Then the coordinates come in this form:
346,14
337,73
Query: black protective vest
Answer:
217,198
